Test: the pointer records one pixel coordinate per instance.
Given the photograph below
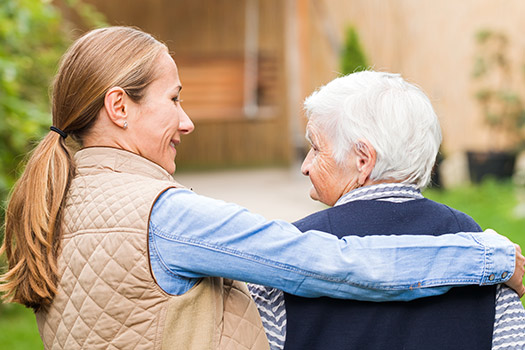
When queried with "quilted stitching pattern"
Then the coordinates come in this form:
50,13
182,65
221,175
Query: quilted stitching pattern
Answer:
99,294
242,328
107,297
102,189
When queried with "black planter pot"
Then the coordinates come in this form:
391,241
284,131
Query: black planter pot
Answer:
499,165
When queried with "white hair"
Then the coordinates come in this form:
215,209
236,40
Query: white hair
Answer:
396,117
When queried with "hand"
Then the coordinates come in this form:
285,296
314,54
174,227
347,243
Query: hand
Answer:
516,281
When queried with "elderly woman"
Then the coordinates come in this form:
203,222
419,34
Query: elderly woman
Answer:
111,252
374,138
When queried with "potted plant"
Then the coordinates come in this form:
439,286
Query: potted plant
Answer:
502,107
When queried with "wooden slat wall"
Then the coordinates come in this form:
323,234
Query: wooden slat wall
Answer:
212,86
431,43
215,143
215,28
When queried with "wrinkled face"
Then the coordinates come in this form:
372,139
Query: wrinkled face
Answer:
159,120
329,180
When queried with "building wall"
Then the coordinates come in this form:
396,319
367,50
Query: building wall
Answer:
430,43
212,33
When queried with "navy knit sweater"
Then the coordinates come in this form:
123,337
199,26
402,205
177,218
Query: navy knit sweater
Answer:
462,319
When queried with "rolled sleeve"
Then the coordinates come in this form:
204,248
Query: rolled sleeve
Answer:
500,256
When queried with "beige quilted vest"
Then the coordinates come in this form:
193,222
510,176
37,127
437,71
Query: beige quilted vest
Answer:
107,297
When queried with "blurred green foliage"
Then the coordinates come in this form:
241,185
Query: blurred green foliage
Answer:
33,36
31,42
498,90
353,58
18,329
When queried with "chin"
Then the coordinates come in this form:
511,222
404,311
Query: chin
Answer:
326,201
313,195
169,167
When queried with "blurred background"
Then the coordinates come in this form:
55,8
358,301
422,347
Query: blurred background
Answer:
246,67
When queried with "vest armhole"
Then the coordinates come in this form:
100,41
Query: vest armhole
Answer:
147,241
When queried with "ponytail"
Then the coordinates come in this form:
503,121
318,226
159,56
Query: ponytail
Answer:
99,60
33,225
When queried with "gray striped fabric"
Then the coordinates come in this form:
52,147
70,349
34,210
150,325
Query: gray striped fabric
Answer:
509,322
392,192
270,302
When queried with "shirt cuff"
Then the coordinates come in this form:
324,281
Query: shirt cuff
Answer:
500,256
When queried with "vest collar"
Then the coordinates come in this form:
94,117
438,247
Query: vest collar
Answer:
94,160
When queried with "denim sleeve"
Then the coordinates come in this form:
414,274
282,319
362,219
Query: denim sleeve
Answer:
194,236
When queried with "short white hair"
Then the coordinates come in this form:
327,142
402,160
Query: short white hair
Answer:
396,117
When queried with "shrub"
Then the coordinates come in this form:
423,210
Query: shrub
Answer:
33,36
353,58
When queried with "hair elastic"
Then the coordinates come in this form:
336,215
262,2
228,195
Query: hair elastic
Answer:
58,131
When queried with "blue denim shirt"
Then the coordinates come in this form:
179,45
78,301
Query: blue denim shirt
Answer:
192,236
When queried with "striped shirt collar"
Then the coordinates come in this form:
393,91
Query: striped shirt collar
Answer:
391,192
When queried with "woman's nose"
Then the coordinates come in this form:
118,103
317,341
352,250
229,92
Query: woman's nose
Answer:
186,125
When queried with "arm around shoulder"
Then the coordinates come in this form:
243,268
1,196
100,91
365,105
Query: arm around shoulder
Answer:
196,230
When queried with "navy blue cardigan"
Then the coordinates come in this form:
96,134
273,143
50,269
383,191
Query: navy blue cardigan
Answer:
462,319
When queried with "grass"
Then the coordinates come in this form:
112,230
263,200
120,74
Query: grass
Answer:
491,204
18,330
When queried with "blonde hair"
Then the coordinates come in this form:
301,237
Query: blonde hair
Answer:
99,60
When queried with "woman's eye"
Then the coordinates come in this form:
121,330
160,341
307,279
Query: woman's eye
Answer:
176,99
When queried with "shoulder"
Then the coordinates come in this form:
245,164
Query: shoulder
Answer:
178,209
180,198
316,221
325,220
173,195
177,202
463,220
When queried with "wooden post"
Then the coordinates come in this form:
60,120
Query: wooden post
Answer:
251,57
297,58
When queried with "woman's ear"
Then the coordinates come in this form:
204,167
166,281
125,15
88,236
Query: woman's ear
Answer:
116,106
365,159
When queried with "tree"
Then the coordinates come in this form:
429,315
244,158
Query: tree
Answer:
33,36
353,58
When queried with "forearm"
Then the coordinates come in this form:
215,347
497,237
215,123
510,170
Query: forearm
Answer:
228,241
